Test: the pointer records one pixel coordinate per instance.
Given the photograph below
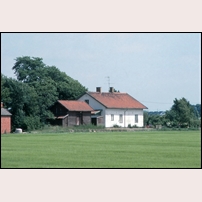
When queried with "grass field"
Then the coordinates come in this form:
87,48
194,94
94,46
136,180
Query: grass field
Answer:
144,149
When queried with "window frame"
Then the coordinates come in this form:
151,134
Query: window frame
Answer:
120,118
136,118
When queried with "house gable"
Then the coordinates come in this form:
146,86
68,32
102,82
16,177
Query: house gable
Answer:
92,102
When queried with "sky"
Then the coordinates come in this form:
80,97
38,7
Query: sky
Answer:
154,68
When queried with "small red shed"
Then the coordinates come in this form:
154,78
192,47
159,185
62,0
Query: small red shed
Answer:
5,120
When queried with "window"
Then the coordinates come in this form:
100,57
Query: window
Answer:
112,117
87,101
136,118
121,118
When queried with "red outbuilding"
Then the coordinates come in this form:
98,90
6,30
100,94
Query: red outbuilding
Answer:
5,120
71,113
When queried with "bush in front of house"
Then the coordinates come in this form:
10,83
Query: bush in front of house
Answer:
134,126
116,126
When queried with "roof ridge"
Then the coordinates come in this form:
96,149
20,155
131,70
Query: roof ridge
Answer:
107,92
71,100
116,100
75,105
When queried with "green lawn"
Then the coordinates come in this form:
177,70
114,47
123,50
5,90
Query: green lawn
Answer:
144,149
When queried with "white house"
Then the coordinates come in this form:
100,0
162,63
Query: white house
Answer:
114,108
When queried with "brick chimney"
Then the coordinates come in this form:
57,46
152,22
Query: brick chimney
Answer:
111,89
2,105
98,89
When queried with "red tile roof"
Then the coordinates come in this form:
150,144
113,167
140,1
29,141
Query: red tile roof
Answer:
75,105
117,100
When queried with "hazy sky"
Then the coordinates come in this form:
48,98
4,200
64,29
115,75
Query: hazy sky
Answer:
154,68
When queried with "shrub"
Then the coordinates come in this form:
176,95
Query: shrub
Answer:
31,123
116,126
129,126
134,126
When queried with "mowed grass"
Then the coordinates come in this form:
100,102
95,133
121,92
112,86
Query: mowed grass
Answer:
144,149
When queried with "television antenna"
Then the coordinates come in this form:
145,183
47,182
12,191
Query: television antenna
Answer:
108,80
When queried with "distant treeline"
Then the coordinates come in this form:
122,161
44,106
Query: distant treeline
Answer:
196,108
181,115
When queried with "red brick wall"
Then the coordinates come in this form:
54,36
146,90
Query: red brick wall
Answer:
5,124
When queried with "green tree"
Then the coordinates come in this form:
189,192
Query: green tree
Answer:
146,118
170,120
47,95
15,102
197,110
22,102
5,92
155,120
31,70
181,113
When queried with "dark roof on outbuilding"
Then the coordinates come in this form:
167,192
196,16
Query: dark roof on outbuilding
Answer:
5,112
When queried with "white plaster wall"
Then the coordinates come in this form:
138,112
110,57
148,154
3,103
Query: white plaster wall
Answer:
128,117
